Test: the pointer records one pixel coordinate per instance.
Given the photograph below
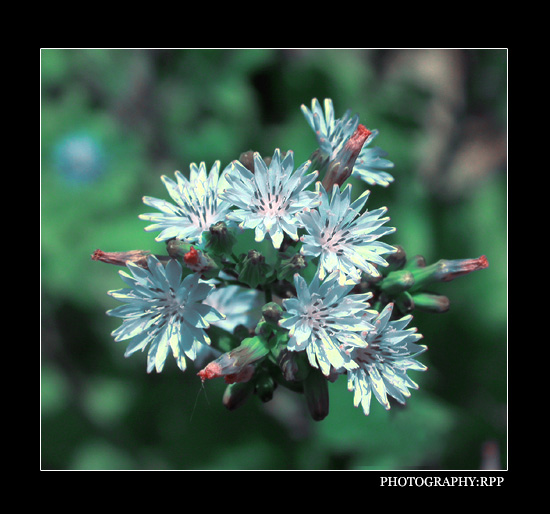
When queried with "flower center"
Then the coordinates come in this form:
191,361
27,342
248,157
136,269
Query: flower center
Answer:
374,353
205,215
333,240
200,206
170,306
316,315
272,205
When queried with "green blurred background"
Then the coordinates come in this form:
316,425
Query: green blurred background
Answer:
114,121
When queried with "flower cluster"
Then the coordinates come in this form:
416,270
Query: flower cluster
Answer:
316,293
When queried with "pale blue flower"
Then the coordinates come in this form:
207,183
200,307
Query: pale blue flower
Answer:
325,321
164,312
345,240
270,199
198,205
332,135
384,362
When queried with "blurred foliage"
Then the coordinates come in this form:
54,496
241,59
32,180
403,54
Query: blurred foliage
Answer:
442,116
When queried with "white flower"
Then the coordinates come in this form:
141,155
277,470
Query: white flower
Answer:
325,321
383,364
332,135
163,312
197,205
343,239
270,199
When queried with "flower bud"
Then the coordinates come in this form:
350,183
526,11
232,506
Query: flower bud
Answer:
287,364
417,261
265,386
196,260
272,312
316,393
242,376
294,367
138,257
247,160
219,238
430,302
236,394
235,366
177,248
339,170
253,269
290,266
446,270
395,260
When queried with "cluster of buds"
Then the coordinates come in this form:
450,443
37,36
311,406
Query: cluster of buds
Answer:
328,298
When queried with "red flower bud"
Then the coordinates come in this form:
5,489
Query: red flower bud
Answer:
236,365
191,258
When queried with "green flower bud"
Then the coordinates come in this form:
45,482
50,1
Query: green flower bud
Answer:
290,266
253,269
431,302
220,239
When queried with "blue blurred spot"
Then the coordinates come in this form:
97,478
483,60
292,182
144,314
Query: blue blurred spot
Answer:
80,159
